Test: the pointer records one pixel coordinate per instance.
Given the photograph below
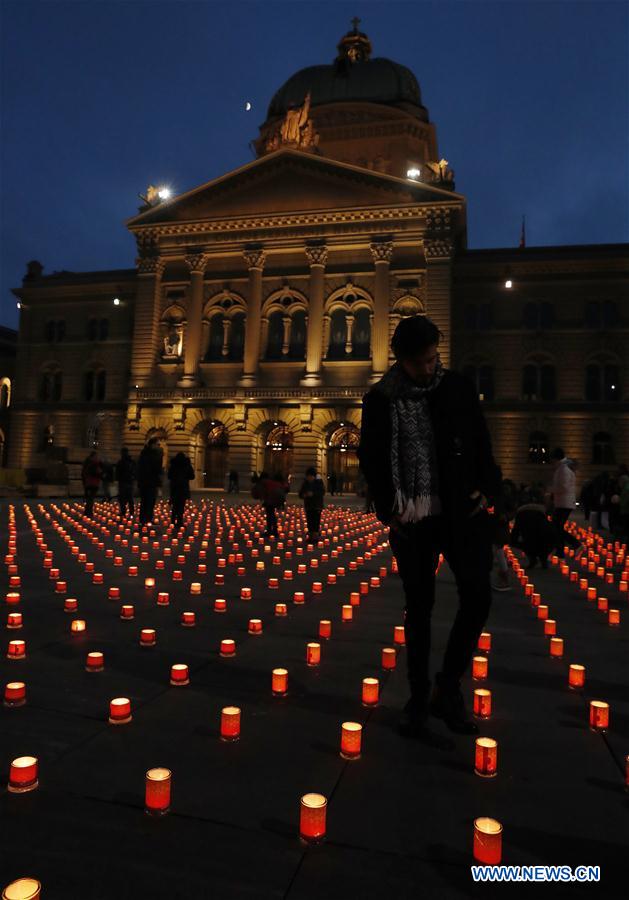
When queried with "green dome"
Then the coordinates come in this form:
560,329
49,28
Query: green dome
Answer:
376,80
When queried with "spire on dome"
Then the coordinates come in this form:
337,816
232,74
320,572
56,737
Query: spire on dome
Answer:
355,46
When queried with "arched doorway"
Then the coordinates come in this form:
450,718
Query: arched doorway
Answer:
342,458
278,450
216,457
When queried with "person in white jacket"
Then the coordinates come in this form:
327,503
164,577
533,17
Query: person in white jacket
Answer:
564,491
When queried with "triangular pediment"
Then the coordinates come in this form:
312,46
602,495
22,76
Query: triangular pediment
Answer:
289,181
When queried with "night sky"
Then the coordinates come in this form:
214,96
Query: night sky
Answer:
530,100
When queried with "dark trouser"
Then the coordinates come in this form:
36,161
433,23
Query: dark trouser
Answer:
125,498
90,493
148,496
178,505
313,520
271,518
560,517
469,555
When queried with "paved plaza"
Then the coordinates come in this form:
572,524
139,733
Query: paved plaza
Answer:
400,818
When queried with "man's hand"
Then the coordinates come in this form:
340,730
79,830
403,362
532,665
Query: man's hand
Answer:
482,503
398,526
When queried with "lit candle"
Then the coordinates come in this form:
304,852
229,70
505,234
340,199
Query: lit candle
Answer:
148,638
313,654
347,613
536,599
325,629
388,658
591,595
23,775
22,889
255,626
228,647
298,597
317,587
188,619
179,675
280,609
370,692
556,647
312,817
127,612
351,735
576,676
95,662
364,588
479,668
550,627
245,593
484,641
230,723
486,757
599,715
15,693
354,598
482,703
97,578
16,650
195,587
12,597
542,612
399,636
487,841
220,605
14,620
279,682
61,587
219,579
77,625
331,578
613,617
602,604
113,593
157,792
273,584
132,571
120,711
374,581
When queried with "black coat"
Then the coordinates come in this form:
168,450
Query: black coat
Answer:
465,460
180,474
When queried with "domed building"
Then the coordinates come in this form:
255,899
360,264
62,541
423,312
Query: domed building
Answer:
263,302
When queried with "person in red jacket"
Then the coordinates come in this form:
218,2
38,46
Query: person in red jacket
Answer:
272,493
91,476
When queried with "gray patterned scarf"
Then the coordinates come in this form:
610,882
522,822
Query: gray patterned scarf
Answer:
413,454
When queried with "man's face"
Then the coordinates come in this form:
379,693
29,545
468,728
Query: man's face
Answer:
421,367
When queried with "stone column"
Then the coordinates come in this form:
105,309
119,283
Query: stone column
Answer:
317,258
286,322
349,320
438,290
227,324
192,344
147,311
382,252
255,262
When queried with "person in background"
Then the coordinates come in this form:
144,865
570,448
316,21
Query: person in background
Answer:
125,474
149,478
332,482
233,486
272,493
180,474
564,493
312,492
532,532
91,476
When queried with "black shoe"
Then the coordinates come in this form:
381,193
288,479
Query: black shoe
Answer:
447,704
412,724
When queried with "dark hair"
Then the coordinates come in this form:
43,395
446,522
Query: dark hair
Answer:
311,471
414,334
557,453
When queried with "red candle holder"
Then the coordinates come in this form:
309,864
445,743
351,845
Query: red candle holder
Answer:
16,650
195,587
374,581
23,775
364,588
14,694
299,598
279,682
613,617
94,662
12,598
148,637
255,625
220,605
536,599
542,612
313,653
347,613
177,575
97,578
230,723
179,675
127,612
245,593
602,604
77,626
484,642
188,619
312,817
61,587
120,711
370,691
591,593
482,703
331,578
113,593
273,584
132,571
14,620
219,579
399,635
317,587
576,676
599,715
550,627
228,647
325,629
351,737
163,598
157,791
556,647
486,757
388,658
487,841
480,667
280,609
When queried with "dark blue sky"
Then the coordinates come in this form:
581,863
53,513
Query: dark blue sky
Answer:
530,99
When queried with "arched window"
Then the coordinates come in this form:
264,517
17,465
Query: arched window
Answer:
479,317
278,450
49,331
92,329
5,393
237,337
601,315
539,382
50,385
275,335
215,342
482,377
297,347
88,386
216,456
103,329
342,457
361,335
101,384
94,385
338,334
538,447
603,449
602,383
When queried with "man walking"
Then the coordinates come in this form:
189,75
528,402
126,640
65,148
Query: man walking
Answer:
149,478
564,490
426,455
311,492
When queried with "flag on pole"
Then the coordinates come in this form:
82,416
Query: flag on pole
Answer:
523,232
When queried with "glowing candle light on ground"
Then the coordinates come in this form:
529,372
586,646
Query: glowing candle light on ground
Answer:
188,619
157,791
114,593
312,818
602,604
486,757
195,587
228,647
77,626
313,653
347,613
484,642
370,691
591,594
487,841
127,612
14,620
148,637
23,775
480,667
280,609
325,629
12,598
22,889
317,587
599,715
16,650
120,711
245,593
399,635
230,723
542,612
179,675
279,682
482,703
388,658
556,647
298,597
351,738
14,693
576,676
613,617
255,626
132,571
95,661
550,627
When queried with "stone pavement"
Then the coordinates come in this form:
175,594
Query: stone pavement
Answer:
399,819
